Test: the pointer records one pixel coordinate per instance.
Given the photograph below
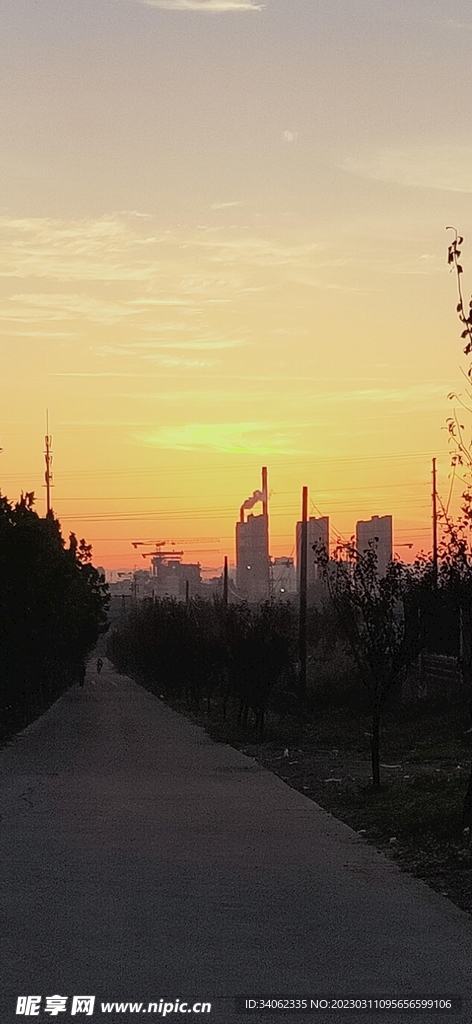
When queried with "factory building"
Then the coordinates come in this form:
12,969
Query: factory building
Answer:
284,578
173,578
317,533
252,549
376,533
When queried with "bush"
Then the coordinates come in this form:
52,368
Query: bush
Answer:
333,680
234,656
52,610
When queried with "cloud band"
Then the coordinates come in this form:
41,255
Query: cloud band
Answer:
210,6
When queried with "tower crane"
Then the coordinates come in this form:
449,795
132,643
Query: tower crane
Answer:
147,543
161,554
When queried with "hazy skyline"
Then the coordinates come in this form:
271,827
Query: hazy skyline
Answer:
222,245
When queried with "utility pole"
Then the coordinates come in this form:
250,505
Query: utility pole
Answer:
303,596
48,460
225,583
435,528
265,513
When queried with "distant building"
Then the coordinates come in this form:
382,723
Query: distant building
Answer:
173,578
252,548
214,588
376,534
283,578
122,587
318,533
141,584
252,559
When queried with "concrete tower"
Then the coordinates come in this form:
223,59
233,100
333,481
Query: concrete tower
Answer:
376,533
252,548
318,533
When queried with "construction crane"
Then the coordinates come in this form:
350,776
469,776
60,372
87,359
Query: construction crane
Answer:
159,545
185,540
171,553
160,554
147,543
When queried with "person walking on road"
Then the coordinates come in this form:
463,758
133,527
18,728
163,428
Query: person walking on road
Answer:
99,665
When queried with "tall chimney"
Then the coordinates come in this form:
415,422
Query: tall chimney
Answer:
265,506
265,502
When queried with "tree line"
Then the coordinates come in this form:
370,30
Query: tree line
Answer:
53,607
224,658
242,662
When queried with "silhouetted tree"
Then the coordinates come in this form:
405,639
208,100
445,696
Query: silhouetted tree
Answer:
370,615
261,649
458,534
52,608
203,648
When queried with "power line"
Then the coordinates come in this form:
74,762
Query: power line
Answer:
311,460
237,494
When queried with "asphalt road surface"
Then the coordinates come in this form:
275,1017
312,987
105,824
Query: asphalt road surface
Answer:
141,861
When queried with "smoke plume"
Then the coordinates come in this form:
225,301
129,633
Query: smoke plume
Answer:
255,497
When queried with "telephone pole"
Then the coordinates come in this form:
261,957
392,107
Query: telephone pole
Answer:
303,597
435,528
48,461
225,583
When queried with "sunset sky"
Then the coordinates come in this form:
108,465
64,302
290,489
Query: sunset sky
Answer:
223,246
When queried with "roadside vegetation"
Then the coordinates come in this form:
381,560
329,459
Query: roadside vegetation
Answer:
235,662
53,606
235,671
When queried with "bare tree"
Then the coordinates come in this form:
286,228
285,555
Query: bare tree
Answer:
458,548
371,617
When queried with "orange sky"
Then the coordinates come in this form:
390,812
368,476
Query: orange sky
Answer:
222,246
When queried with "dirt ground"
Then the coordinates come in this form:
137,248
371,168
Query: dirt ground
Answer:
340,783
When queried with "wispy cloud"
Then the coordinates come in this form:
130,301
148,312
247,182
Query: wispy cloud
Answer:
38,306
172,327
120,269
51,335
105,249
256,251
184,363
453,23
149,302
257,438
210,6
444,167
146,348
119,248
227,206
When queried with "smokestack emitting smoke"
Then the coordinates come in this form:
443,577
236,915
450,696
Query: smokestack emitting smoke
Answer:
255,497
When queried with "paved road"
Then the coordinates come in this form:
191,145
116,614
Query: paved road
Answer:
141,861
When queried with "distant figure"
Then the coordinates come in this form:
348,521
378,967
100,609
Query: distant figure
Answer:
99,665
